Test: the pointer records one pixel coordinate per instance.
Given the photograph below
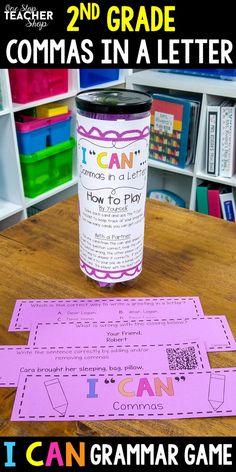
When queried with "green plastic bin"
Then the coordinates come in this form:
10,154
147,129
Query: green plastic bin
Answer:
47,169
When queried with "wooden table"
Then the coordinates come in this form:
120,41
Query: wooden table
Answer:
186,254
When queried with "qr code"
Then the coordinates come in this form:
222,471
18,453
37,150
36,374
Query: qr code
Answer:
182,358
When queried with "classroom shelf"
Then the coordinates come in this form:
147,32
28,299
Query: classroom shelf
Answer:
208,91
13,203
44,196
177,170
43,101
8,209
218,179
5,111
186,83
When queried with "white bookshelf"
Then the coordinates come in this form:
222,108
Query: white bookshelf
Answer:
13,203
184,181
189,170
72,184
8,209
184,82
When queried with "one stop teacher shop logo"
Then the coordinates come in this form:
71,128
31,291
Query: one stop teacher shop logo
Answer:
32,17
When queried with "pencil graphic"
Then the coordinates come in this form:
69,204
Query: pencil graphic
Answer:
216,391
56,396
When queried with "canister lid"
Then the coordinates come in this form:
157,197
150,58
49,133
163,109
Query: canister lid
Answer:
114,101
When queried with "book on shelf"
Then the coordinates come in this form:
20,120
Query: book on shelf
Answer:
193,130
213,136
174,124
216,200
214,208
213,140
227,141
202,198
227,203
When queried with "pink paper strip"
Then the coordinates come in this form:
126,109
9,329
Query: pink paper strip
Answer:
17,359
27,312
214,331
155,395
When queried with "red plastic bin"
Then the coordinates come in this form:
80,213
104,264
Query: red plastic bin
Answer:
28,85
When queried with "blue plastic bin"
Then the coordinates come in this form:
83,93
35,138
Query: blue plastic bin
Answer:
91,77
38,139
59,132
32,141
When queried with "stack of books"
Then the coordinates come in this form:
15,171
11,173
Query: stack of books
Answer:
216,200
174,126
221,139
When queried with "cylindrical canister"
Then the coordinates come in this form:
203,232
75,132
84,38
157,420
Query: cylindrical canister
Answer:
113,129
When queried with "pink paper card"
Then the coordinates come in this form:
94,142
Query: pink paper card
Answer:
27,312
214,331
155,395
17,359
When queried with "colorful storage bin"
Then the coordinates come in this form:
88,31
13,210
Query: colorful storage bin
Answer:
47,169
51,109
91,77
28,85
29,122
34,134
